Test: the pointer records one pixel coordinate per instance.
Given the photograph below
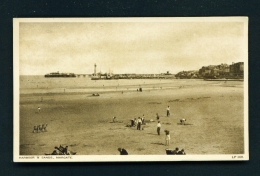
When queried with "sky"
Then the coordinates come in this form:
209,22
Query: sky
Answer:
127,47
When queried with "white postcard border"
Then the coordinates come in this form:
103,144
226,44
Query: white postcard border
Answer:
119,158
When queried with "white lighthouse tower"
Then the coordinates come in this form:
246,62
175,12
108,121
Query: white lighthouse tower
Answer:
95,71
95,76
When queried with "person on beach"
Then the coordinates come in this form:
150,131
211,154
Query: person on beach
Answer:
182,121
55,152
114,119
38,128
65,151
135,121
172,152
39,109
157,116
169,152
139,122
142,119
35,129
158,127
43,128
168,111
122,151
167,137
132,122
181,152
175,152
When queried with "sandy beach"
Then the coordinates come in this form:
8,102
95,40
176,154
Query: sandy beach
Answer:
214,112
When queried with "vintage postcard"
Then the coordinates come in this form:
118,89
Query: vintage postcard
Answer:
93,89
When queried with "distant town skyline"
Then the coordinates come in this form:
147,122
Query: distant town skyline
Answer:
128,47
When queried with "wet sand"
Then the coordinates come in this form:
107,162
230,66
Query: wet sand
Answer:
214,113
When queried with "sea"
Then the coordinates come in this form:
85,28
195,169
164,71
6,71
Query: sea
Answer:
39,84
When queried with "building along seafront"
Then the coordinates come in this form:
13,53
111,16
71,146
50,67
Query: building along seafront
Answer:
222,71
234,71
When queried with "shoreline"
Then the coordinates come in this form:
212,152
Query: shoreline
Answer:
125,88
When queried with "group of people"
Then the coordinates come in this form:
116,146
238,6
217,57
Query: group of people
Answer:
61,151
123,151
167,113
167,132
40,128
138,122
175,152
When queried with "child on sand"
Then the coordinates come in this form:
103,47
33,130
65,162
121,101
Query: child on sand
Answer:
158,127
135,121
39,109
142,118
167,138
182,121
168,111
132,122
35,129
139,122
157,116
114,119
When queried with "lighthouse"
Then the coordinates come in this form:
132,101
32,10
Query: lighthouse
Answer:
94,76
95,73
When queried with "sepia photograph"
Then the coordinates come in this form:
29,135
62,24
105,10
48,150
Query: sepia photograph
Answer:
93,89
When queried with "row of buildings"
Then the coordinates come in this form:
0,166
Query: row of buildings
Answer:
191,74
233,71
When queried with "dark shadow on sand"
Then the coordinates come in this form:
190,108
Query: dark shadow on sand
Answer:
184,124
167,123
174,100
117,122
158,143
152,133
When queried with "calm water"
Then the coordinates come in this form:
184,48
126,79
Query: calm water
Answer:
40,84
